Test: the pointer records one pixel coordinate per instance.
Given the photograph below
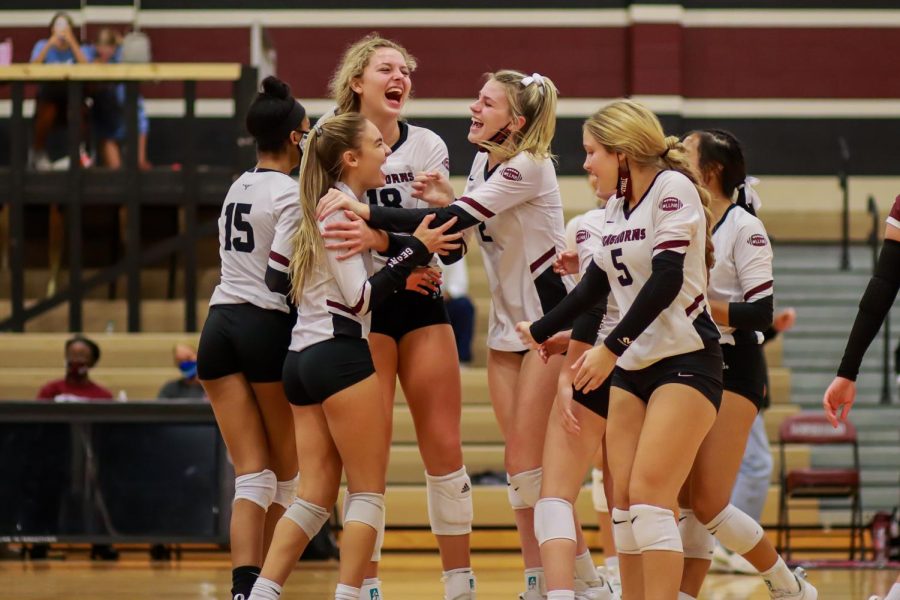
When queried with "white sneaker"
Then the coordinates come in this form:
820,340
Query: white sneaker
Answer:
611,574
597,589
459,586
807,590
371,591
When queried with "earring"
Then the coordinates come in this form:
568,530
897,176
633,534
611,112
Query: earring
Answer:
624,183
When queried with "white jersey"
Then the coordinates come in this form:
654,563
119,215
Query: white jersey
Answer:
893,218
521,230
668,217
260,215
587,233
743,269
335,298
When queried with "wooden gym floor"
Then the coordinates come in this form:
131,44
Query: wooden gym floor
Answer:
406,576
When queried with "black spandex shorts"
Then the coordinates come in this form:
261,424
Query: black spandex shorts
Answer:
745,371
407,311
701,370
243,338
595,400
316,373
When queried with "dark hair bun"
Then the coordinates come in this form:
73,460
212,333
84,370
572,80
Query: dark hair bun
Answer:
276,88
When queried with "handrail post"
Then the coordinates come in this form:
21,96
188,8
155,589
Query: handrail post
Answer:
74,209
17,207
843,177
133,209
886,327
191,189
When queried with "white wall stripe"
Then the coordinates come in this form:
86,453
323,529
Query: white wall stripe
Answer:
840,18
788,108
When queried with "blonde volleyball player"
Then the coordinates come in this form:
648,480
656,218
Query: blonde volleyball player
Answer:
512,197
741,301
329,378
411,335
246,335
663,355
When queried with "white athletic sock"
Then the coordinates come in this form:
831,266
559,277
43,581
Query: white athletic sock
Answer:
458,582
611,563
534,580
780,579
345,592
561,595
683,596
894,594
584,567
265,589
369,584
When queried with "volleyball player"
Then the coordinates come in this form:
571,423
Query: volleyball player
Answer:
411,335
741,301
663,354
513,198
246,335
329,378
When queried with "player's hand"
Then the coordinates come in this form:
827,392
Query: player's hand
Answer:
564,406
354,235
523,328
424,280
335,200
435,238
566,263
593,368
434,188
557,344
784,320
839,396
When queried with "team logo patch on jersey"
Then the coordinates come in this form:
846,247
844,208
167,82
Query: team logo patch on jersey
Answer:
670,204
511,174
582,236
757,239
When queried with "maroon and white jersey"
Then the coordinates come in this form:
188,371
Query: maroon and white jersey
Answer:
668,217
260,215
743,269
520,231
335,298
894,216
587,233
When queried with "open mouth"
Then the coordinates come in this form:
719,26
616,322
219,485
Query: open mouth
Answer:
476,124
394,95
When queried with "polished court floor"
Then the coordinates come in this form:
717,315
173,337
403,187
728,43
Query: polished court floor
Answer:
407,576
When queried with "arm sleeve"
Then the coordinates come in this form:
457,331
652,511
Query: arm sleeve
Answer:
752,255
287,220
593,288
874,306
586,327
769,334
361,292
655,296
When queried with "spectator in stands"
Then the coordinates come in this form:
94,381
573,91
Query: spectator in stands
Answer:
108,110
187,386
82,355
460,308
62,46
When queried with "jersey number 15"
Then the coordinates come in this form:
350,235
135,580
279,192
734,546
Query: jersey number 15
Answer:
234,216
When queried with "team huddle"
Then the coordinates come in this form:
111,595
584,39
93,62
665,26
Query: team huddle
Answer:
635,347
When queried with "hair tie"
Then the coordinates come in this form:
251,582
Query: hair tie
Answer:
534,78
318,129
665,153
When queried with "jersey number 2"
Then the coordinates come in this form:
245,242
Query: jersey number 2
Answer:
625,278
234,215
389,197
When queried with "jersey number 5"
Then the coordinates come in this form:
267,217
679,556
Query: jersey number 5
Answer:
234,215
625,278
389,197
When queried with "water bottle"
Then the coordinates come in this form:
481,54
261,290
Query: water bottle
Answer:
880,524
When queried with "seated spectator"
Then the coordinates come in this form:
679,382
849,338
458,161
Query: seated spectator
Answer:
82,355
108,109
188,385
459,308
52,98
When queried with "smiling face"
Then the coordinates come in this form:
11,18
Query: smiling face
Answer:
602,166
490,112
366,162
384,85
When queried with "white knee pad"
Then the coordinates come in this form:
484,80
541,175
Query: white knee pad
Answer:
258,488
524,489
598,494
367,508
695,539
623,535
654,528
285,491
450,503
308,516
735,530
554,519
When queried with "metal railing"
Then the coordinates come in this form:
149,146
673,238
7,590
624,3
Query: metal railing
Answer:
874,238
131,187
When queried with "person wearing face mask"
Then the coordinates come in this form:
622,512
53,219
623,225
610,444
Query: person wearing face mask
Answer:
188,385
81,355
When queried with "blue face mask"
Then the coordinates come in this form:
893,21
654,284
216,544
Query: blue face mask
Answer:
188,368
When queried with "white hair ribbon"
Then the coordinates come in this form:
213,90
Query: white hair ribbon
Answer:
534,78
750,196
